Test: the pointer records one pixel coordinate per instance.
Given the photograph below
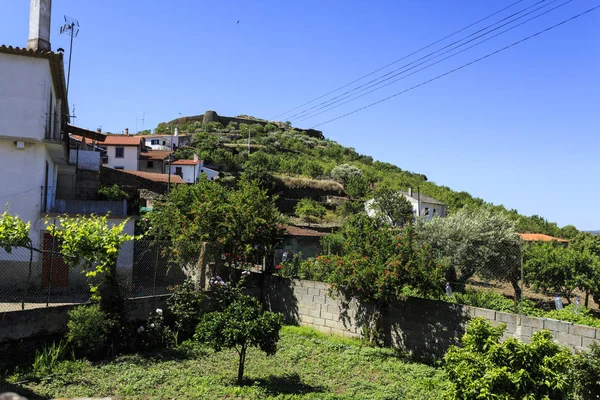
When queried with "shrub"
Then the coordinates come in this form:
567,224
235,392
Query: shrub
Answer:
47,359
587,372
583,316
485,368
310,210
87,329
154,333
113,193
185,306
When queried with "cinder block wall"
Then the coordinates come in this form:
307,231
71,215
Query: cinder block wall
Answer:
423,327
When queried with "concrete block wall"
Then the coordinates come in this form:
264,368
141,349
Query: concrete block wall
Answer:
423,327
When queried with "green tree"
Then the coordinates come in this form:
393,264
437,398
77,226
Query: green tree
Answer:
552,267
343,172
376,264
240,221
93,244
112,193
476,242
357,187
313,169
240,325
486,368
310,210
392,207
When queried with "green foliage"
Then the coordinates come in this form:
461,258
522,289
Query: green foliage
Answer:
357,186
91,243
87,329
154,333
242,324
313,169
476,242
112,193
13,232
577,315
344,172
333,243
552,267
185,305
587,372
485,368
392,207
310,210
241,222
494,301
48,358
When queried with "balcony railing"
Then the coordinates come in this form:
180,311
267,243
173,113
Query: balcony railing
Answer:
115,208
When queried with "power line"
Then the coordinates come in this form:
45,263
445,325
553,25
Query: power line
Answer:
400,59
331,105
461,67
324,104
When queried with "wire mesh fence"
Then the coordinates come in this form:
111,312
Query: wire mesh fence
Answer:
36,278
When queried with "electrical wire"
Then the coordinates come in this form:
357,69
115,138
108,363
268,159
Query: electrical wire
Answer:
461,67
400,59
331,106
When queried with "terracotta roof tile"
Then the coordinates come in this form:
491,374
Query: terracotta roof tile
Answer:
153,176
186,162
122,140
154,154
539,237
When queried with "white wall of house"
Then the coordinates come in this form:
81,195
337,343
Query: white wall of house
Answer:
210,173
128,161
190,173
428,210
26,88
22,180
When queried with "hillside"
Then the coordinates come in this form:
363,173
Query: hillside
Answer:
280,151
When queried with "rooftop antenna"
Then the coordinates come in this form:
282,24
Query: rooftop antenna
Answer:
73,114
71,28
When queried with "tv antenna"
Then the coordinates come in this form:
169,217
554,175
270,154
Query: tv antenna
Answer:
71,28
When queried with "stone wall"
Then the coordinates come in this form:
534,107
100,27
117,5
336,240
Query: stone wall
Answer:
422,327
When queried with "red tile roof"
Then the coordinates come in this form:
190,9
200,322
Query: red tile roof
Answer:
186,162
122,140
154,154
539,237
153,176
297,231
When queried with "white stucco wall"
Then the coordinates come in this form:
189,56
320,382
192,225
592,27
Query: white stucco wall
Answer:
210,173
25,90
129,160
440,210
189,172
22,180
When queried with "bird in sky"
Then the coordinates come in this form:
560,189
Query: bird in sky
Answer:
238,22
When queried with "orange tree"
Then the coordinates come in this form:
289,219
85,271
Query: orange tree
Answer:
376,264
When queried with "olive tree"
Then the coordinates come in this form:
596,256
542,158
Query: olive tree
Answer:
476,242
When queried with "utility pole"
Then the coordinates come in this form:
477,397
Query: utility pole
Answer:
169,162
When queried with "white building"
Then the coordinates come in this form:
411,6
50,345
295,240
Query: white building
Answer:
424,207
165,142
33,110
122,151
190,170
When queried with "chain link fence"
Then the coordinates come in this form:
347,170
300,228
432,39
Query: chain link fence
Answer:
42,278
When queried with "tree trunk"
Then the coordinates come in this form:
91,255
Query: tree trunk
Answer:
241,365
587,297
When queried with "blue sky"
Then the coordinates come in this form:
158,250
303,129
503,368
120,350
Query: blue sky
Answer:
520,128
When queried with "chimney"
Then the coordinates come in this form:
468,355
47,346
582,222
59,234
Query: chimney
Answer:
99,130
196,157
39,25
176,131
410,191
127,131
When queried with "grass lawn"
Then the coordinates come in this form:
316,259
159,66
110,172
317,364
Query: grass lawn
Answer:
308,365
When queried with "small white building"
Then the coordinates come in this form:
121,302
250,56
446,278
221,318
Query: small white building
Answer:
122,151
165,142
190,170
424,207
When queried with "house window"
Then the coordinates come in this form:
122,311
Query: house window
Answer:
426,211
119,152
119,167
434,212
178,171
155,142
150,164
